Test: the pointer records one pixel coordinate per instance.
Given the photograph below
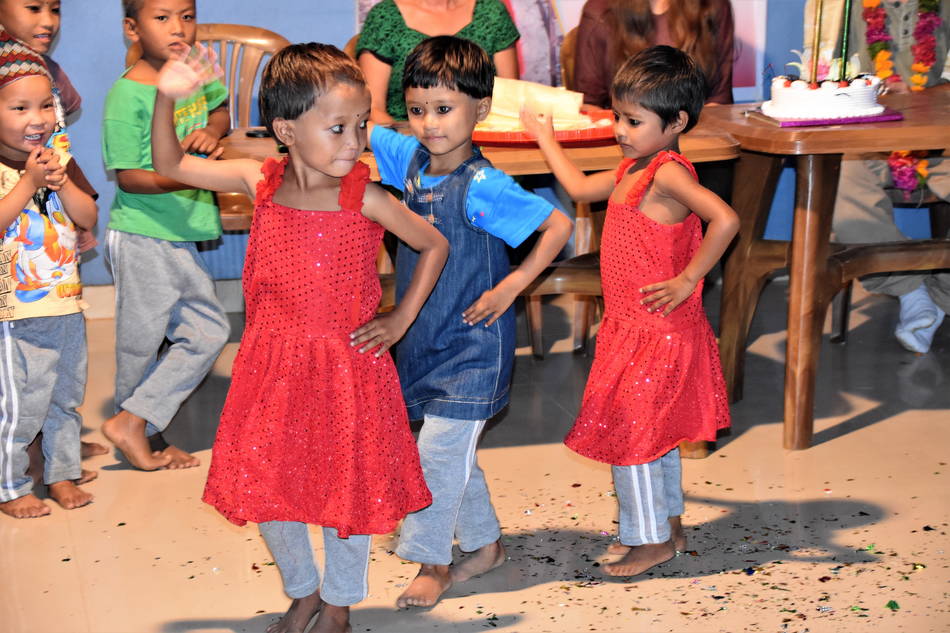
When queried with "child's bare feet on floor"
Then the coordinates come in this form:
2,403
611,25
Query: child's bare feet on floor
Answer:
298,616
480,561
640,558
333,619
179,458
25,507
427,587
69,495
677,535
86,476
127,432
91,449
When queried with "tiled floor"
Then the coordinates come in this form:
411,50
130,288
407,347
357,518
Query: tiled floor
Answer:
850,535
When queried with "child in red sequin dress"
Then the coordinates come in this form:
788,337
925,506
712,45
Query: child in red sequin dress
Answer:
314,429
656,378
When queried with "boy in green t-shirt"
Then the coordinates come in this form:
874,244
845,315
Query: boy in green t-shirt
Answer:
162,289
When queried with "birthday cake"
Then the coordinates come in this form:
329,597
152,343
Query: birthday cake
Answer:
798,99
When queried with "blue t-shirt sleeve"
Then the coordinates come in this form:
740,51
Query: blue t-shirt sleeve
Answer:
499,206
393,153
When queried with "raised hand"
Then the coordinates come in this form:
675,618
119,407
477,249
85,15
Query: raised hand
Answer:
537,125
185,74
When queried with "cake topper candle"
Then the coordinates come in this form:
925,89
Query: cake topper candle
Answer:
845,29
816,41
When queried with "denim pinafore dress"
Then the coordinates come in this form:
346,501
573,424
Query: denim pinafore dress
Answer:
448,368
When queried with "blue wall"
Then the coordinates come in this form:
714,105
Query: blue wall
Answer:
91,49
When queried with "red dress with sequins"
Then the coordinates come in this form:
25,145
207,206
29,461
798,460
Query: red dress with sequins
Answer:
655,380
312,430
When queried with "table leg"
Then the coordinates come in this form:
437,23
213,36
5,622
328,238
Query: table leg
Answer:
746,270
809,294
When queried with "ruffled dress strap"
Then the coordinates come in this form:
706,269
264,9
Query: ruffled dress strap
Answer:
352,187
273,171
622,169
635,195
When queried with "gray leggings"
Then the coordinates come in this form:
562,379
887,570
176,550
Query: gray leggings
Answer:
461,506
162,291
346,565
649,494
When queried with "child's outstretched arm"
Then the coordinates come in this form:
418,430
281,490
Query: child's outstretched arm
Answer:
555,231
579,186
179,78
675,181
382,332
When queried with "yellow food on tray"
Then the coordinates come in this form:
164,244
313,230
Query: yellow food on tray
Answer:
511,95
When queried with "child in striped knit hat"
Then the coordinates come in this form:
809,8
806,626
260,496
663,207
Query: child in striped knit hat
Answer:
44,197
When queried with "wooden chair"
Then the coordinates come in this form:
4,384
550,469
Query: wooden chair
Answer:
939,230
586,240
241,50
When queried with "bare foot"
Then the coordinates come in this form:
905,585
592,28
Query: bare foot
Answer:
298,616
127,432
179,458
426,588
640,558
86,476
25,507
333,619
91,449
69,495
676,534
480,561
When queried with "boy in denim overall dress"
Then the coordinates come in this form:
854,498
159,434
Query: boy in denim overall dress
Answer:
455,361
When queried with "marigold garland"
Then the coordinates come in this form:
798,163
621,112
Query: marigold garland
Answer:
908,169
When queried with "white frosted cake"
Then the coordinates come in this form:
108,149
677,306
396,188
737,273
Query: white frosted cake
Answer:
828,100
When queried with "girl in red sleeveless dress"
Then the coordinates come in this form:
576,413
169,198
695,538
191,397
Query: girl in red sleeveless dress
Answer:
314,429
656,378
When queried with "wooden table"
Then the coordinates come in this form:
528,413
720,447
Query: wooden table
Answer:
702,144
816,273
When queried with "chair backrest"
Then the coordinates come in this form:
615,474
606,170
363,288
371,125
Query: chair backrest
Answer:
241,50
350,48
568,51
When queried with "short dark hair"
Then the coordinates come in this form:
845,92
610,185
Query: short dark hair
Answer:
450,62
665,81
298,75
132,8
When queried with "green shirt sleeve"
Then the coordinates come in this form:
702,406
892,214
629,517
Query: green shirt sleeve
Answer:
496,30
377,35
126,122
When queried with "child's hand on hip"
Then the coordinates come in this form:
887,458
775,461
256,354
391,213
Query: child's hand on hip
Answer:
184,75
380,334
491,305
666,295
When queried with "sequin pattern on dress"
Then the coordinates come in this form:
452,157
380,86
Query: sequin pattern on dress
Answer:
655,380
312,430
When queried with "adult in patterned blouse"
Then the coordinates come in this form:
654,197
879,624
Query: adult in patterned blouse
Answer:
394,27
